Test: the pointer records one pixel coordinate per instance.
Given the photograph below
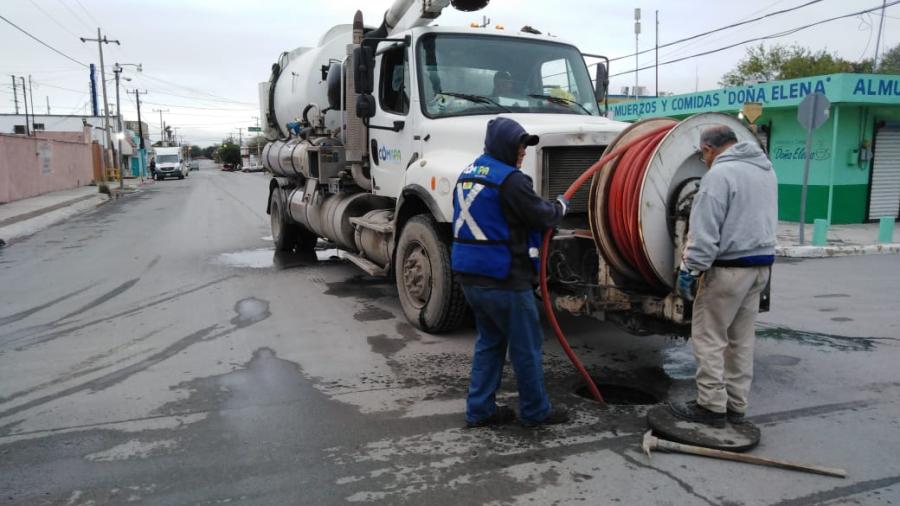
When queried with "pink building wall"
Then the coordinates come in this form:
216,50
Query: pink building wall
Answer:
32,166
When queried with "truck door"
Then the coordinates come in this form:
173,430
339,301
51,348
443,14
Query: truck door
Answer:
390,132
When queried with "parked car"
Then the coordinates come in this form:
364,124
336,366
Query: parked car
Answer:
253,166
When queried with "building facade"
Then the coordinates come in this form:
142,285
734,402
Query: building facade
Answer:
854,172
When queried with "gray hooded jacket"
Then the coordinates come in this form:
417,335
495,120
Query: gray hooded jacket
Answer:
735,213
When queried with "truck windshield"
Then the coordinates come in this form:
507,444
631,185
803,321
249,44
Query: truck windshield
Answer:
466,75
167,159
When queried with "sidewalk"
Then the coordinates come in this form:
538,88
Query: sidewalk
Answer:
843,240
27,216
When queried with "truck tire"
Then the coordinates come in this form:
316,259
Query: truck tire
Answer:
285,234
431,298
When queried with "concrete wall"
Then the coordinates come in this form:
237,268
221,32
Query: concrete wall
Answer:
32,166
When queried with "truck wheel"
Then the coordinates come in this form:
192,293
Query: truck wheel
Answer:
285,234
431,298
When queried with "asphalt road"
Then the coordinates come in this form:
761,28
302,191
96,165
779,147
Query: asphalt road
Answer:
155,350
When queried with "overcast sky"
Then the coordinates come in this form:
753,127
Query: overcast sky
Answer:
203,59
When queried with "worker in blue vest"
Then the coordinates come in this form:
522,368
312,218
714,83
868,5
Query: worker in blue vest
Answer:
498,221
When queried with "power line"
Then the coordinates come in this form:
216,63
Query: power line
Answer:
75,14
48,46
202,108
51,18
726,27
87,12
199,92
672,52
757,39
41,83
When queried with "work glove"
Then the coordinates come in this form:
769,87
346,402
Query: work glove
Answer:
563,203
686,286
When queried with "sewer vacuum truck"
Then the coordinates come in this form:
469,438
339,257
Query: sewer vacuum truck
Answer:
369,130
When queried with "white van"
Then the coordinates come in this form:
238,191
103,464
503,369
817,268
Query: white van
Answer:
169,163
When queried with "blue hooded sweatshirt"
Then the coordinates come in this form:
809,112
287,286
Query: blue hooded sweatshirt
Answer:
523,209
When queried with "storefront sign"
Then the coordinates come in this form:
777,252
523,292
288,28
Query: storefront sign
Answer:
859,88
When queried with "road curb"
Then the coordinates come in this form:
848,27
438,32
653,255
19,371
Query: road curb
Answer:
837,251
41,219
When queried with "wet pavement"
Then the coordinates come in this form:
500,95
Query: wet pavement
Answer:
158,351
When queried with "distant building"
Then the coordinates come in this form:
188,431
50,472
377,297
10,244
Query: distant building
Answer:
15,124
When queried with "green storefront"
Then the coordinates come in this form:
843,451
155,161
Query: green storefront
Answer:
855,168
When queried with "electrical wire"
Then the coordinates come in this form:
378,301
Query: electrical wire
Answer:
87,12
75,15
757,39
710,32
201,108
48,46
51,18
707,39
199,92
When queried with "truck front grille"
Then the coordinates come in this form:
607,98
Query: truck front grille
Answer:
562,165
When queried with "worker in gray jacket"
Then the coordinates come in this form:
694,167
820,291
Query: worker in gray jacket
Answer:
727,261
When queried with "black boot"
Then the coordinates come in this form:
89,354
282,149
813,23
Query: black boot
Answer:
503,414
693,412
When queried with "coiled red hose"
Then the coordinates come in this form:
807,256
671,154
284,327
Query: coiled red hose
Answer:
622,209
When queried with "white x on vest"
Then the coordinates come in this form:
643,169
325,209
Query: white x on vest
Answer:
465,218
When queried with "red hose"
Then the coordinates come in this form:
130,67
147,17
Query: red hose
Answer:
622,219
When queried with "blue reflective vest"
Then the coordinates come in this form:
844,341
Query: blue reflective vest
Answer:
481,235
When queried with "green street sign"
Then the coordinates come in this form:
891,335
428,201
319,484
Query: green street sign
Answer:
254,129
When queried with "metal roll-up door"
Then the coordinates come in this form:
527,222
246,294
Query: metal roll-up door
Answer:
884,191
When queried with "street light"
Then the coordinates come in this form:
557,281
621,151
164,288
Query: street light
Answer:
117,69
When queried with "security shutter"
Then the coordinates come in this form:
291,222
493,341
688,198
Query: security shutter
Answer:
884,193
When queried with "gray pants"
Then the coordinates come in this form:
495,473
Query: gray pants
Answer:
722,335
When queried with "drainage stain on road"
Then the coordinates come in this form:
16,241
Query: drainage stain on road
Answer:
360,287
371,313
834,342
250,311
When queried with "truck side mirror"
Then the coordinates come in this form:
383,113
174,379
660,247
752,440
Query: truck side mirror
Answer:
365,106
364,69
601,84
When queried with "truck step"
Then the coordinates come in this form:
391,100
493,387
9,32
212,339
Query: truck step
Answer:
366,265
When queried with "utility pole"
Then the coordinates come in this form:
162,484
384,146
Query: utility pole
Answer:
121,131
25,105
878,39
100,40
162,126
31,94
656,45
258,156
48,106
137,99
15,94
637,31
94,106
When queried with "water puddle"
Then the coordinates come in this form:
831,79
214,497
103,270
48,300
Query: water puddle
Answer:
267,258
250,311
834,342
679,362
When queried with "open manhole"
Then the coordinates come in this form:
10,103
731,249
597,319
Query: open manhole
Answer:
620,395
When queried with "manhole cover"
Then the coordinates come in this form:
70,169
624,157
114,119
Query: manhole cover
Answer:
619,395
